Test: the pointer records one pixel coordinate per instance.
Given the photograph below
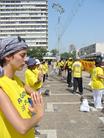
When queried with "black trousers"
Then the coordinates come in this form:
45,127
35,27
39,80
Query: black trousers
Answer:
77,83
44,77
69,76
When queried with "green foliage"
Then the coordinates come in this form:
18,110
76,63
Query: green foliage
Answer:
37,52
54,52
73,54
66,55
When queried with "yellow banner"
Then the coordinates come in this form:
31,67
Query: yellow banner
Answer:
88,65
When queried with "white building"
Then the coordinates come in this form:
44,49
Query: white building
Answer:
27,18
91,49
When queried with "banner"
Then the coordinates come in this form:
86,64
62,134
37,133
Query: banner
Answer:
88,65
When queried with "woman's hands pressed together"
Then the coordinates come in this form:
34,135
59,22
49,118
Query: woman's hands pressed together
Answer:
37,106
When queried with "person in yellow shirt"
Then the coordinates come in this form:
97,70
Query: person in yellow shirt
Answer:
68,67
32,76
60,65
44,70
77,76
97,84
47,68
38,73
16,106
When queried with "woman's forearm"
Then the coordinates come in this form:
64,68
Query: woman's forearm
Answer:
28,89
20,124
29,123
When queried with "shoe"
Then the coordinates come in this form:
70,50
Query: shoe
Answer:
37,132
46,93
81,94
74,92
70,85
81,99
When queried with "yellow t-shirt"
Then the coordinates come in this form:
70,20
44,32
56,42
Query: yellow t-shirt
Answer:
61,64
69,64
38,85
44,69
30,78
77,69
96,82
46,66
15,91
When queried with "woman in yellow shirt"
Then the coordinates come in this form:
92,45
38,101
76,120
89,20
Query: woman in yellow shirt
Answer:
16,120
33,78
97,84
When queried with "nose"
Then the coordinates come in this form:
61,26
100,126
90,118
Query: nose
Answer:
26,59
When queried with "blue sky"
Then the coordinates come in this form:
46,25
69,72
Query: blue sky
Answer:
84,28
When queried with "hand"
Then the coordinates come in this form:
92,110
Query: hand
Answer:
37,104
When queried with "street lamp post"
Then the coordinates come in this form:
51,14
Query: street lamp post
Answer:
60,11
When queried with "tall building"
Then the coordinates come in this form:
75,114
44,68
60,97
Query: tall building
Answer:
92,49
27,18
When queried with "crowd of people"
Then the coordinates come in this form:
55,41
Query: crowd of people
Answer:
21,103
73,71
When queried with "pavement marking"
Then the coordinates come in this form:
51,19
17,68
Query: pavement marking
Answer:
51,133
64,94
50,107
60,94
102,119
73,122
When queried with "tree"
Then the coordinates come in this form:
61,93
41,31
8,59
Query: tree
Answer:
54,52
65,55
73,54
37,52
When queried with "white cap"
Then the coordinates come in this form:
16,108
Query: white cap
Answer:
37,61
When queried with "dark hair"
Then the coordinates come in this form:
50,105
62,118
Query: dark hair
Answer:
98,64
2,62
98,61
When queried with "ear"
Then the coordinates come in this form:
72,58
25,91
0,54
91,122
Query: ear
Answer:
8,58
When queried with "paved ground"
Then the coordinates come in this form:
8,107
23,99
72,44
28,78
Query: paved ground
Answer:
63,118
